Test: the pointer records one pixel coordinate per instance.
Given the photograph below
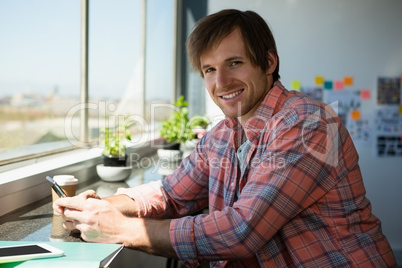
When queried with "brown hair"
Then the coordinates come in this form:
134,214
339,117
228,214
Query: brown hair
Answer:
211,30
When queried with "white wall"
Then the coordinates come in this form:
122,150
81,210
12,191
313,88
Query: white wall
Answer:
362,38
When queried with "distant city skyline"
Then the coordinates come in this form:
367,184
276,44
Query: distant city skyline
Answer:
40,47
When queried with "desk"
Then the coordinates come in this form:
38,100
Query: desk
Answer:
36,222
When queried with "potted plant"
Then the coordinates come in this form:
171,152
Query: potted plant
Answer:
114,167
179,129
114,141
195,129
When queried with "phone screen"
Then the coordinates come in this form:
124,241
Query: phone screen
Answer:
22,250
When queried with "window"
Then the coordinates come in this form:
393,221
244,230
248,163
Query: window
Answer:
40,69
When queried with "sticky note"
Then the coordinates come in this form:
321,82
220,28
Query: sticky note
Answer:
365,94
348,80
328,85
296,85
355,115
319,80
338,85
400,109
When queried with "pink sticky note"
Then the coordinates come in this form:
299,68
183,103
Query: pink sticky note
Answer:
338,85
365,94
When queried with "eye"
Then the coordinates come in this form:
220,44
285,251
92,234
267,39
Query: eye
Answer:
208,70
234,63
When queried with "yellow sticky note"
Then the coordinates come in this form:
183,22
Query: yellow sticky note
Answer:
296,85
355,115
319,80
348,80
400,109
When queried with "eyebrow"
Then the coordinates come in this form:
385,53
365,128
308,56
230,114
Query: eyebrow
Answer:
226,60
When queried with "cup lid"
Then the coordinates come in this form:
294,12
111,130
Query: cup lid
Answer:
65,179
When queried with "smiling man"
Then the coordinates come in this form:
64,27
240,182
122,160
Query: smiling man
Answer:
233,81
279,174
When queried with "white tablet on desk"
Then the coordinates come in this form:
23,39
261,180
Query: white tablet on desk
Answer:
27,252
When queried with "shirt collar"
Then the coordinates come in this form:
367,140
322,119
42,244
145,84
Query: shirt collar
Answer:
264,112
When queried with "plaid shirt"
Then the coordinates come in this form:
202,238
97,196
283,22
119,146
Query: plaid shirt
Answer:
302,200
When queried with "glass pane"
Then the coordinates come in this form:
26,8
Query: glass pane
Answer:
159,62
39,73
115,66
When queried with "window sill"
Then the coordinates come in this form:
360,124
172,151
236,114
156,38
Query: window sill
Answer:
26,184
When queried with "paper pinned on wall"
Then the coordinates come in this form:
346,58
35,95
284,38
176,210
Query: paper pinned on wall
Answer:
365,94
296,85
338,85
388,120
315,92
343,102
389,146
319,80
360,130
328,85
389,90
348,80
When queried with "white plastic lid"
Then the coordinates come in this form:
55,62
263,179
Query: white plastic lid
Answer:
65,180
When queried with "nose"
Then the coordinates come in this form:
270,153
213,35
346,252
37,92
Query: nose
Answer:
223,78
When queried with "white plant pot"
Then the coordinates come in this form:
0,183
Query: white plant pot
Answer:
113,174
170,155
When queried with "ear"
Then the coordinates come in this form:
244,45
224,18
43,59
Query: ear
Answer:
272,61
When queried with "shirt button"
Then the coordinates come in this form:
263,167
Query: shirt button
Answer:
232,184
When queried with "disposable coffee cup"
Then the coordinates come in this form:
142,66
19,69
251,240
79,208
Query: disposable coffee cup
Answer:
66,182
58,232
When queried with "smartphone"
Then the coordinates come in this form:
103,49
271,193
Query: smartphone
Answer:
59,191
29,251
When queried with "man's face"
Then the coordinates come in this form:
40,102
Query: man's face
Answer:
233,82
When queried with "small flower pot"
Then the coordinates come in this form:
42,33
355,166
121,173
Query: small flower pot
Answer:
114,161
171,145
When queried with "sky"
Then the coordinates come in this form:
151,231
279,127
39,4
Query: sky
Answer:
40,46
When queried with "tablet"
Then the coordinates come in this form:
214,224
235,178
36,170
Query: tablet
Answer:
28,251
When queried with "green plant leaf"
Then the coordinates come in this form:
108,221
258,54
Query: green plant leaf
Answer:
179,127
114,139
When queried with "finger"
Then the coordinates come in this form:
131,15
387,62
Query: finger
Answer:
73,215
89,194
57,208
69,225
62,202
73,203
89,214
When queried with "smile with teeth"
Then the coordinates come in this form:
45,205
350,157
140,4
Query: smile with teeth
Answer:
230,96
